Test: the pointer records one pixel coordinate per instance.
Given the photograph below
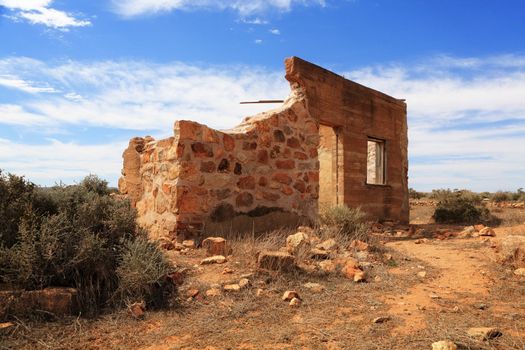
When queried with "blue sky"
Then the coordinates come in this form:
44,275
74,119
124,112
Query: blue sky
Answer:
79,78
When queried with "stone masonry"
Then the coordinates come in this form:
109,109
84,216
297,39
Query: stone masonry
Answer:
267,172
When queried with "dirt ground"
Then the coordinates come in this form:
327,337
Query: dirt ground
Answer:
430,287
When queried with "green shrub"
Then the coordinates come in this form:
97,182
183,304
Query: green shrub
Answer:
142,272
15,195
347,221
501,196
74,236
458,208
413,194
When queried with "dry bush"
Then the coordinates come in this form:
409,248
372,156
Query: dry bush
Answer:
343,223
69,236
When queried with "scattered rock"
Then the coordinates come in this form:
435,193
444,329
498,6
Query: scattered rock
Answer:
189,243
467,232
314,287
137,310
444,345
231,288
216,246
479,227
259,292
297,242
520,271
422,274
360,276
361,256
216,259
290,294
243,283
319,254
327,266
166,243
421,240
213,292
512,250
328,245
227,270
484,333
378,279
359,245
276,261
388,257
350,269
381,319
192,293
295,302
5,327
487,231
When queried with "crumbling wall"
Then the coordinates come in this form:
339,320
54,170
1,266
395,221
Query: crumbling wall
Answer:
360,113
262,174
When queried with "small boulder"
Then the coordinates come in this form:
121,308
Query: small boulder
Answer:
295,302
189,243
216,246
231,287
314,287
328,245
289,295
319,254
213,292
216,259
520,271
244,282
444,345
276,261
327,266
484,333
487,231
359,276
137,310
297,242
467,232
192,292
350,268
358,245
422,274
512,250
479,227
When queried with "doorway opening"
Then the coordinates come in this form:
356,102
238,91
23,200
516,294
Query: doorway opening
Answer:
331,177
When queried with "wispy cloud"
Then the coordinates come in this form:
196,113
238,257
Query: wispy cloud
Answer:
41,12
139,95
275,31
130,8
26,86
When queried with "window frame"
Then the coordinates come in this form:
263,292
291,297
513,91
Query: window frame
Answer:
383,149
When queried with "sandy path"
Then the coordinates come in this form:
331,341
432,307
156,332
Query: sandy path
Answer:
455,271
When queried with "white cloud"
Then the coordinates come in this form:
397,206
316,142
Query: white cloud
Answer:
258,41
55,161
130,8
19,84
139,95
275,31
40,12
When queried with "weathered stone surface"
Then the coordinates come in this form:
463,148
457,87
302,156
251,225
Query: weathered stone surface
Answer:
328,245
276,261
295,302
57,301
520,271
358,245
297,242
216,246
231,287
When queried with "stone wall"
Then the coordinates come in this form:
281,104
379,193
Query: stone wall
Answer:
265,173
203,179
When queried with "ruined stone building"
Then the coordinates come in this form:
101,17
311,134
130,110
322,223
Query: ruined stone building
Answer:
331,142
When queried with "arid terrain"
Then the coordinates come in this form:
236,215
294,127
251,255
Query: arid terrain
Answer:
424,283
